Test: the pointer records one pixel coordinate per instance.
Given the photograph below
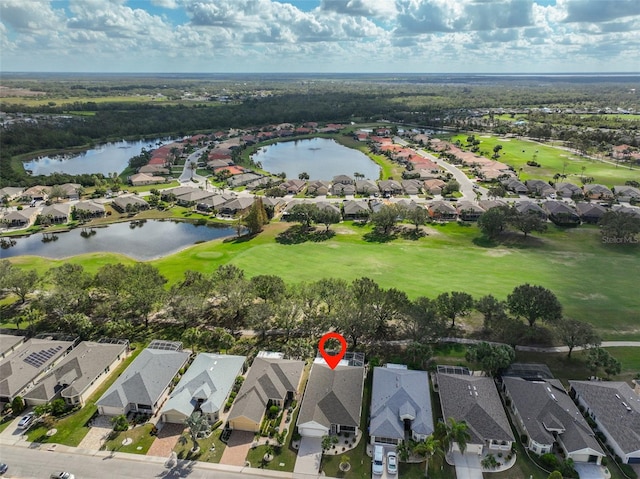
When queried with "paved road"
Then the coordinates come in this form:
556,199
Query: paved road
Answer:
187,172
553,349
30,462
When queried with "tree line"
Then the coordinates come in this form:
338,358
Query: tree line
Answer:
210,311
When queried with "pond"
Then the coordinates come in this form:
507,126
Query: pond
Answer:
105,159
321,158
140,240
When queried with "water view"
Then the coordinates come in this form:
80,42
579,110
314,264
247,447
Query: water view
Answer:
321,158
140,240
105,159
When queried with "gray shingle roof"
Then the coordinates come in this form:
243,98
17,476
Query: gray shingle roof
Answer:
483,412
23,366
397,392
621,423
146,378
268,378
210,378
333,396
544,405
77,370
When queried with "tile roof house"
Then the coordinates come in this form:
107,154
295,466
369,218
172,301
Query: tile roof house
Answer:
390,187
318,188
615,408
58,212
293,187
344,179
205,387
22,369
121,203
79,374
590,212
93,209
144,385
366,187
561,213
468,211
270,381
355,210
400,405
597,192
342,189
332,401
443,211
37,193
545,413
434,186
141,179
412,187
475,400
71,190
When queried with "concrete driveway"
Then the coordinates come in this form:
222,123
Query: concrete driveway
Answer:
309,456
467,465
589,471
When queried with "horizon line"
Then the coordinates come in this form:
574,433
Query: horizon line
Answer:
318,73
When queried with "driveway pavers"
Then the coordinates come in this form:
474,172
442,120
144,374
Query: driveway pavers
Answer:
237,448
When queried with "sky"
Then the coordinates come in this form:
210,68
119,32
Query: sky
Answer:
320,36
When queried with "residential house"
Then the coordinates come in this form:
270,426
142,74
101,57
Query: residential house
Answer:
468,211
531,208
400,405
475,400
270,381
390,188
412,187
434,186
215,202
325,205
141,179
590,212
144,385
220,162
172,193
243,179
57,212
561,213
367,187
91,208
615,408
488,204
545,413
355,210
21,218
79,374
442,211
597,192
344,179
342,189
11,192
22,369
540,188
408,205
568,190
36,193
9,343
293,187
71,190
154,170
627,193
193,197
516,186
318,188
204,387
332,401
129,203
236,206
630,210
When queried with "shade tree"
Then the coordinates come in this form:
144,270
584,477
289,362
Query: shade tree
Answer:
534,303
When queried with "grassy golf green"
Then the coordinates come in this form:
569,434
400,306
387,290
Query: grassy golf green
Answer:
594,282
517,152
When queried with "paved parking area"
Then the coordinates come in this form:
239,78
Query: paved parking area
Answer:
167,439
237,448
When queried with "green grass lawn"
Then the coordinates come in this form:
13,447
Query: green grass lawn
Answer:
141,440
593,281
205,454
517,152
72,429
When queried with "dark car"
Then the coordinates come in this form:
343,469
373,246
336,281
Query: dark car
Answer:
3,468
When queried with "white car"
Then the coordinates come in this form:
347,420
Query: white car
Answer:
378,457
26,420
392,463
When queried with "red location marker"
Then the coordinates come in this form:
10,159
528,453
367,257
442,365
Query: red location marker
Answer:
333,359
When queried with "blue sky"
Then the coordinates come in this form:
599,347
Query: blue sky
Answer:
403,36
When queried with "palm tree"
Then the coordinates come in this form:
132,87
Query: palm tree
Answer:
430,448
196,423
457,432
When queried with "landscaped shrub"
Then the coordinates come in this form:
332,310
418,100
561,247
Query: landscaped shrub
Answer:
120,423
549,460
216,425
17,405
58,407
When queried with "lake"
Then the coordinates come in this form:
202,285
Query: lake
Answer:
148,240
321,158
105,159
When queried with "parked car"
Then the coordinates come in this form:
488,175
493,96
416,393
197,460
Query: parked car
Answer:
26,420
378,456
3,468
62,475
392,462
